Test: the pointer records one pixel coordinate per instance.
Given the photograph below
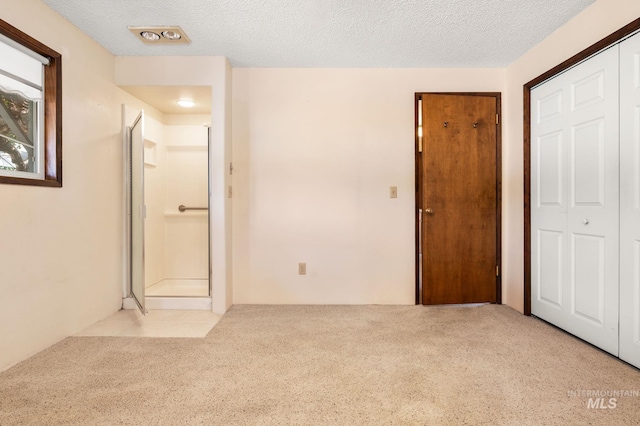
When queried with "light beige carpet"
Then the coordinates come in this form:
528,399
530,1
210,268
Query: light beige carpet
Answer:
327,365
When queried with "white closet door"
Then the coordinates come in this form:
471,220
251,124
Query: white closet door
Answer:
574,200
630,200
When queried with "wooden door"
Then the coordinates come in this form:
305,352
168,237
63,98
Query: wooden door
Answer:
459,198
574,200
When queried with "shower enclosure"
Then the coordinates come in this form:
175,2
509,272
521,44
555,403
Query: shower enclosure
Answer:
168,211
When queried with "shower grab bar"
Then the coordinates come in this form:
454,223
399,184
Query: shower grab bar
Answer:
183,208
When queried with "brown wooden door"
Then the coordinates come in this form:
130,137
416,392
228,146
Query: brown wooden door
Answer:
460,204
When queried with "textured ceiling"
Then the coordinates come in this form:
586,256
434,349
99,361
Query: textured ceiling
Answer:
330,33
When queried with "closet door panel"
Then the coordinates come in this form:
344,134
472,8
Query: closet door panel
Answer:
630,200
550,239
550,268
549,189
551,182
588,165
588,278
575,198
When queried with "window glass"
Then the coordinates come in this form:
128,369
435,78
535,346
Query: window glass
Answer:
21,113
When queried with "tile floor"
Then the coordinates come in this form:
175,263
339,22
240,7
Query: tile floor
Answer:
171,287
165,323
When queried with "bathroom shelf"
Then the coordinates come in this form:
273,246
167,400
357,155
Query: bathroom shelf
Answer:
150,153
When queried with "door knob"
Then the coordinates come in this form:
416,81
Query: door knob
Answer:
428,211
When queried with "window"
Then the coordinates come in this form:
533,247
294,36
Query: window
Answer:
30,110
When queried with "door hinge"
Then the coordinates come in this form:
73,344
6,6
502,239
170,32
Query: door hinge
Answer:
497,271
230,168
419,144
497,118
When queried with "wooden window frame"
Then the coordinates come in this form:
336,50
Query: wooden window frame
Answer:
52,110
611,39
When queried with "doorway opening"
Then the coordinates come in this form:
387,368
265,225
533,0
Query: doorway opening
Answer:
458,198
168,204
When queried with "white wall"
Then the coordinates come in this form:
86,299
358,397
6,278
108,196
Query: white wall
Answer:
61,253
593,24
315,152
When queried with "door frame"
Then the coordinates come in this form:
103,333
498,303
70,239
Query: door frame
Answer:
611,39
418,187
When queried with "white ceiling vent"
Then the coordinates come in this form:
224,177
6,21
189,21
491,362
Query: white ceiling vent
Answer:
160,35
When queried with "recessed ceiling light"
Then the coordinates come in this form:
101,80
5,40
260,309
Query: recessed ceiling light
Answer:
186,103
149,35
171,35
161,35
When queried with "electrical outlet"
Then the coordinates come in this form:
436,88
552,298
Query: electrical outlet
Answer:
302,269
393,192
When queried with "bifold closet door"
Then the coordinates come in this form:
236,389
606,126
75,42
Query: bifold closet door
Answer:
630,200
574,200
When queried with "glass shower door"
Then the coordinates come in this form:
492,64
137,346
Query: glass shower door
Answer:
137,211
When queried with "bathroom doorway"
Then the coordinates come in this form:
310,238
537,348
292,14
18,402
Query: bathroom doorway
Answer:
174,182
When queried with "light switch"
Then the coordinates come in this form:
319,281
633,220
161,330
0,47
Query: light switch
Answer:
393,192
302,269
